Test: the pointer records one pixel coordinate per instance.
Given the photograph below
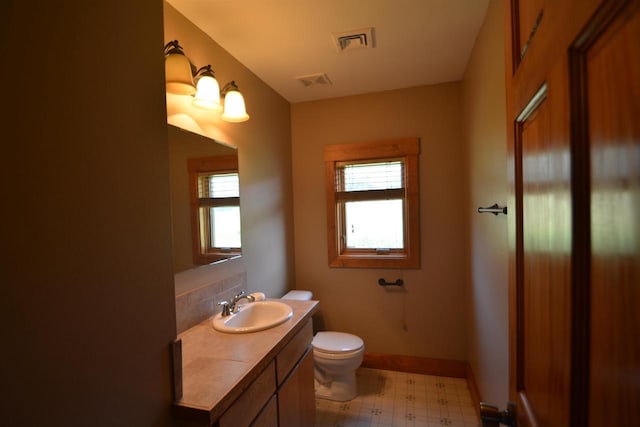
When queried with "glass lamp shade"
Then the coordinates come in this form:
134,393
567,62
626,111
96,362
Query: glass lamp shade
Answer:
234,108
177,70
208,94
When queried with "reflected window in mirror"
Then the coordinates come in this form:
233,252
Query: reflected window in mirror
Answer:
215,208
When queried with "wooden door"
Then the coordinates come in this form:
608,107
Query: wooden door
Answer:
573,103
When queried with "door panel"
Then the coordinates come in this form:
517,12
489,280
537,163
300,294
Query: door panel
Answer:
544,276
613,93
537,278
528,16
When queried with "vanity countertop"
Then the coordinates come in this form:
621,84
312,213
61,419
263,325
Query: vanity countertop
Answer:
217,367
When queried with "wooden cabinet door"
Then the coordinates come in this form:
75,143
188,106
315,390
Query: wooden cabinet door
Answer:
573,91
269,415
252,400
296,396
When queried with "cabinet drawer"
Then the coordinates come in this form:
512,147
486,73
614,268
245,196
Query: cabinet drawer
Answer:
251,401
293,351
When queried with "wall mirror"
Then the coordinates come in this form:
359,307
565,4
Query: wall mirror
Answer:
183,146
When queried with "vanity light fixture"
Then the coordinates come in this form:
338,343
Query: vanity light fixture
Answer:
177,70
208,90
235,110
180,72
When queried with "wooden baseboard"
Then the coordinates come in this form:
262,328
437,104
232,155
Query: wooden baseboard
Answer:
473,389
416,365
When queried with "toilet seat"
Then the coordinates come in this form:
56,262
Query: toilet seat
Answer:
338,356
337,345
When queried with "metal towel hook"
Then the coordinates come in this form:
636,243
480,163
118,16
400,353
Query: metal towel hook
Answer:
494,209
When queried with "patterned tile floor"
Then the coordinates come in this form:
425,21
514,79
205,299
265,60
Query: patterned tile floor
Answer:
390,399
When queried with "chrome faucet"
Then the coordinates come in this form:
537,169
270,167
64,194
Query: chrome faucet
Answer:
242,295
231,307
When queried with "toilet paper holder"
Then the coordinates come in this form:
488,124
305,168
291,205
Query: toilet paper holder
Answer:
398,282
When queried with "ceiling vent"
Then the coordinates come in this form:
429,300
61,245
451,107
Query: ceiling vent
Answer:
320,79
354,39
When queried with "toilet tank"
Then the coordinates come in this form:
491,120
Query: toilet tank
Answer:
299,295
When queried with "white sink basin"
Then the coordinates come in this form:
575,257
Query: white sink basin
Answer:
252,317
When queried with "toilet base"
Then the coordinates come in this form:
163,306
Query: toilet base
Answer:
341,388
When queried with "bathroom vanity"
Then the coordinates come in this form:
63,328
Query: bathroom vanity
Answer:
263,378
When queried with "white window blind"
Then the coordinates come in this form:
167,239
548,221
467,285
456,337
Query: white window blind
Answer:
369,176
218,185
370,181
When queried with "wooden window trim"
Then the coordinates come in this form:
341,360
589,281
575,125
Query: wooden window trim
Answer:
202,253
406,148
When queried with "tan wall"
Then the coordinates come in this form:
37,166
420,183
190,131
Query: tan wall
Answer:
484,115
433,304
264,156
87,304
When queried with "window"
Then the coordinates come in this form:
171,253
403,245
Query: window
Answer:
372,204
215,208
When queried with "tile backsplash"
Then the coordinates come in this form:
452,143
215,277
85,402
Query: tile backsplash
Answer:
199,291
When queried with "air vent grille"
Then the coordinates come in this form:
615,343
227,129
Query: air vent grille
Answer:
319,79
362,38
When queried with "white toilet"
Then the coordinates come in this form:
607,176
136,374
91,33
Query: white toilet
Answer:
336,357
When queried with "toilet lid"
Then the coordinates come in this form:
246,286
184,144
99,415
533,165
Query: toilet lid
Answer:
336,342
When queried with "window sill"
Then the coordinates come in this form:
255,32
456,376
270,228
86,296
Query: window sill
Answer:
375,261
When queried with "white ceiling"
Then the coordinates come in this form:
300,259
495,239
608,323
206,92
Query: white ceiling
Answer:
417,42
